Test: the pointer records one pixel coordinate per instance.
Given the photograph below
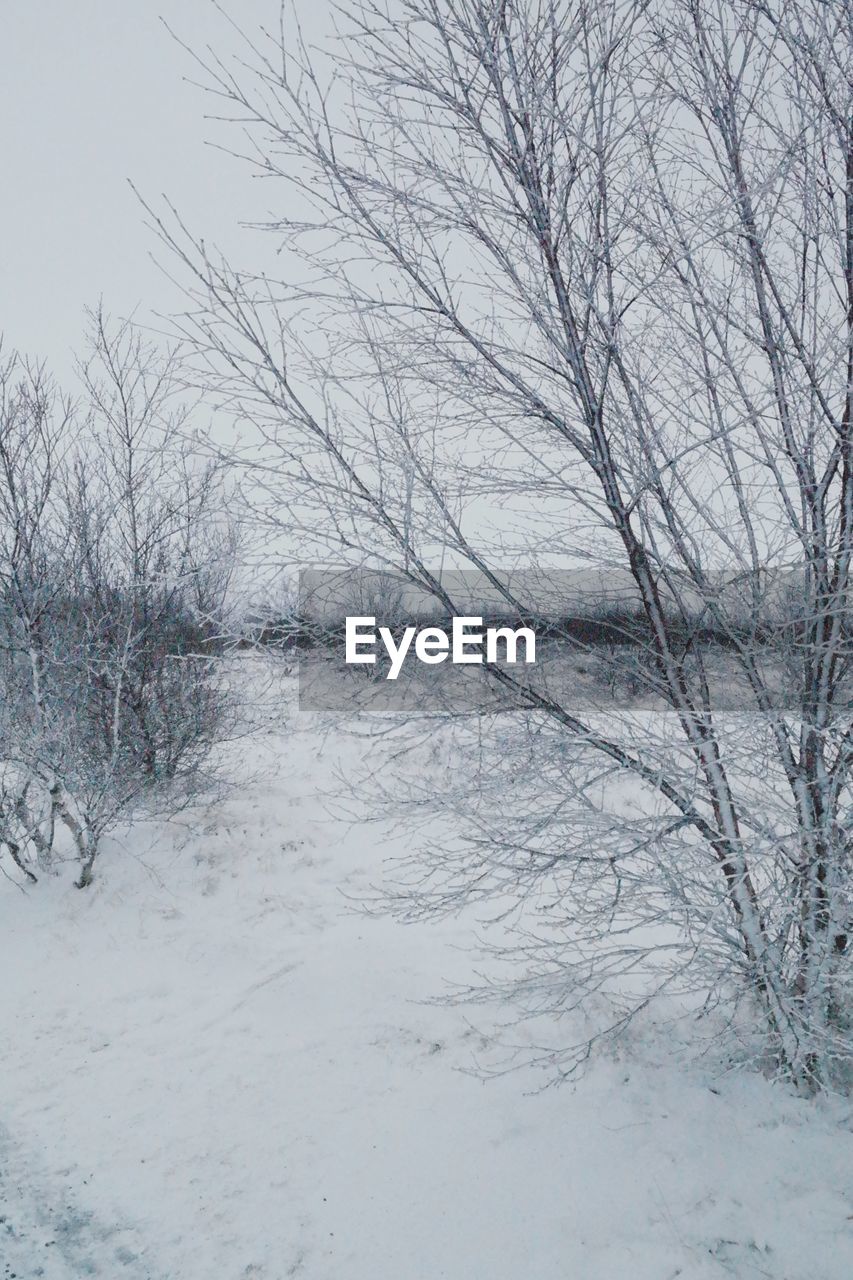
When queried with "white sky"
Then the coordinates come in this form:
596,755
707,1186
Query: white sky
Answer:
92,93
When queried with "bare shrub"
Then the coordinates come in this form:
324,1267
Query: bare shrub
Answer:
114,571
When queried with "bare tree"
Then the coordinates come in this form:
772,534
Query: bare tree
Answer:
36,428
115,559
573,282
157,550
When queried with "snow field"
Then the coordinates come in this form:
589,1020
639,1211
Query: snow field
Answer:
213,1066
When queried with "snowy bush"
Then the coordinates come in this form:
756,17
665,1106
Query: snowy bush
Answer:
114,568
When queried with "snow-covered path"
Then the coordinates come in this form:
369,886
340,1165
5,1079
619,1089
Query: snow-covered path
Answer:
45,1233
212,1067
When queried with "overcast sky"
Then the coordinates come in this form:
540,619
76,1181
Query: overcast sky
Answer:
92,92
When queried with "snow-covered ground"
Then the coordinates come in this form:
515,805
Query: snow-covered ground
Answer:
213,1067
